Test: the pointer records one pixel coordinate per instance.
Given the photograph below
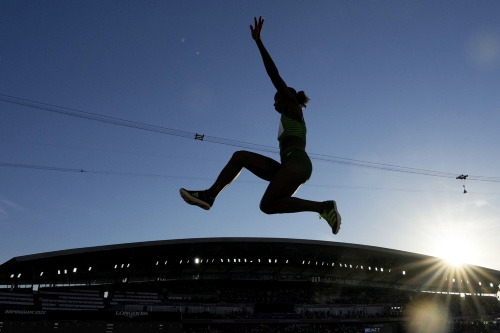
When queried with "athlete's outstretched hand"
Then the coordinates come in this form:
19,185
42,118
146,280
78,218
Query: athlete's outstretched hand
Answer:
258,28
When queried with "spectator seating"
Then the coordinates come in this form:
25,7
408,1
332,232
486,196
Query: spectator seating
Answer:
73,299
17,299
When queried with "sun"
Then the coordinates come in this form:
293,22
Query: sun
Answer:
452,236
456,250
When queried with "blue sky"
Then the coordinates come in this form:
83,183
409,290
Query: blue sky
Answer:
401,83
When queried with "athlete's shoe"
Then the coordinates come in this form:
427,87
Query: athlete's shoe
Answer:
197,198
332,216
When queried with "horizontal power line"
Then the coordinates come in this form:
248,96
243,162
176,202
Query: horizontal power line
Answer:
150,175
230,142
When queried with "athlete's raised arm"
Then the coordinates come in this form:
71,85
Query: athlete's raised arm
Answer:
271,68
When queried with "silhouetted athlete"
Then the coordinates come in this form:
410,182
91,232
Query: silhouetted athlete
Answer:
295,168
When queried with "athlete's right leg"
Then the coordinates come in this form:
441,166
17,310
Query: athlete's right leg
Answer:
260,165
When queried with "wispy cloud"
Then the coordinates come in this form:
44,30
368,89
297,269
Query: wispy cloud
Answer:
480,203
7,206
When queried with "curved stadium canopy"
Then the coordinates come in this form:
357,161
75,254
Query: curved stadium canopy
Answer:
247,258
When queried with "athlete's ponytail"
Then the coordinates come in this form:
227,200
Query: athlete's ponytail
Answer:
300,96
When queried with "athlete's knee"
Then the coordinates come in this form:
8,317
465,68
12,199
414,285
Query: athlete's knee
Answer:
237,158
240,155
268,207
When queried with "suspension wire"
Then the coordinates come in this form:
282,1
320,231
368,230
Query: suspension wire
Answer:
381,166
241,144
39,167
229,142
150,175
94,116
99,172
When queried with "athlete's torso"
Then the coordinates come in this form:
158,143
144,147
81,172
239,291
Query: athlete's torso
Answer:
292,133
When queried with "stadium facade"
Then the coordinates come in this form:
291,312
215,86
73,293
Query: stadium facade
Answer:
244,284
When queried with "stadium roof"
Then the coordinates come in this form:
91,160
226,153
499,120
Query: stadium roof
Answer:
246,258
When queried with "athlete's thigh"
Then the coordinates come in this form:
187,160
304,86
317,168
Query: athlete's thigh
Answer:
284,184
262,166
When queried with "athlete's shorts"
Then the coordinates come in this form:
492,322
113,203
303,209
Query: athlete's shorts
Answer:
297,157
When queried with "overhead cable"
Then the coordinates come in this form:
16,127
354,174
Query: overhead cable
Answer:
230,142
150,175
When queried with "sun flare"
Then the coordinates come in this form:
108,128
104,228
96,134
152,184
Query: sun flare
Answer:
455,250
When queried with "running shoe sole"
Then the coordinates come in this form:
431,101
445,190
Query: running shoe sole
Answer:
339,219
336,227
193,200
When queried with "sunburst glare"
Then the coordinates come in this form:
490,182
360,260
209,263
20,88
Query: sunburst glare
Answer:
456,249
450,236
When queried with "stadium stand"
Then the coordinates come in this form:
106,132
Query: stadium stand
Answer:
244,285
19,299
74,299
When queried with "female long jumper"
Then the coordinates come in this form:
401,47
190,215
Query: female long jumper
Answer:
295,168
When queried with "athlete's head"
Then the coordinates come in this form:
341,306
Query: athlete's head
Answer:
301,97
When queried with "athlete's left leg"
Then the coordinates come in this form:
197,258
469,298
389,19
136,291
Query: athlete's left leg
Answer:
279,198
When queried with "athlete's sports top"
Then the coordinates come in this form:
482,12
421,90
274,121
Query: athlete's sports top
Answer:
291,127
